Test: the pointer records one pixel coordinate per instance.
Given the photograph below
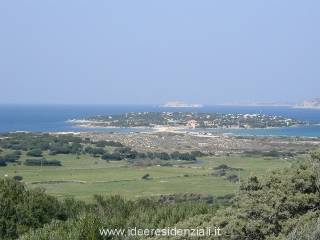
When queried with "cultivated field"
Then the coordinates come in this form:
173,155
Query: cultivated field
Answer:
83,176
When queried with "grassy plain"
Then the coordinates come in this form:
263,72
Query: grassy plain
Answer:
83,176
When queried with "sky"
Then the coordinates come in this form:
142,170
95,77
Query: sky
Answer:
150,52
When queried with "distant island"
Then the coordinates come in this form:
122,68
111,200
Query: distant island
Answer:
188,120
178,104
259,104
313,103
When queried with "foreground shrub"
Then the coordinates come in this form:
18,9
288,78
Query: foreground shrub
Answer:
22,209
283,204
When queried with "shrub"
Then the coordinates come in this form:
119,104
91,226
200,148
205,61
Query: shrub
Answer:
95,151
146,176
42,162
35,153
23,209
11,157
112,156
18,178
164,156
2,163
198,153
103,143
233,178
60,149
222,167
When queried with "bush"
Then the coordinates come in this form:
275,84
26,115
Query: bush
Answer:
164,156
187,157
222,167
270,207
11,157
183,156
23,209
233,178
18,178
35,153
198,154
103,143
273,153
95,151
112,156
60,149
2,163
42,162
17,153
146,176
126,152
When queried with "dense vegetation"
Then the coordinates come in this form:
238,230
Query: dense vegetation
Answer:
285,204
36,144
9,158
23,210
127,153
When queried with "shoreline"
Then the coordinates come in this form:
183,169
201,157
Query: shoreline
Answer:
162,128
204,132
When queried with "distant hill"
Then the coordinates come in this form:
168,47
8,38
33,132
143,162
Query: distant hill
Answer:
178,104
313,103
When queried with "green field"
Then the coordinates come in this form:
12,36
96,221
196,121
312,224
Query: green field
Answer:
83,176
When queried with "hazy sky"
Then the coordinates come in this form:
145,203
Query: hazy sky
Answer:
214,51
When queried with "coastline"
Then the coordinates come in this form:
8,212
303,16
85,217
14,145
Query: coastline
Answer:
70,119
176,129
305,107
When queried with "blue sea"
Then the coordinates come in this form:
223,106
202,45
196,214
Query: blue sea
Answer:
52,118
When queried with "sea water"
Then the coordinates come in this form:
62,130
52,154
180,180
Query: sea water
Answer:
53,118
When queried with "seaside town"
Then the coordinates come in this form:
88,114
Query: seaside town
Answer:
189,120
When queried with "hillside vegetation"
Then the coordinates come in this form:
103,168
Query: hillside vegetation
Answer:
285,204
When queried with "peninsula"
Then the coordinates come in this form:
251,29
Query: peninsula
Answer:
190,120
